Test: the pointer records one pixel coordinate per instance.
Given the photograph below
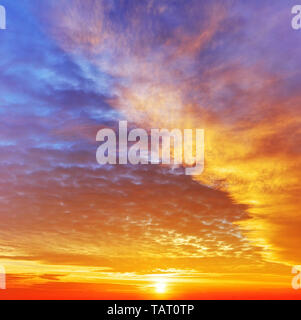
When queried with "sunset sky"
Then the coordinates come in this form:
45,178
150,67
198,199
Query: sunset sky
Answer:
73,229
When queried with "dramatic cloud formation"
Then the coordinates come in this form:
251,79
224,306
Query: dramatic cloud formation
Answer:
230,67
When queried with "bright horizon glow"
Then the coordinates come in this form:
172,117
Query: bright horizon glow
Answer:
70,227
160,286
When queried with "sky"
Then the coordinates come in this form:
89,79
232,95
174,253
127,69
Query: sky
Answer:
73,229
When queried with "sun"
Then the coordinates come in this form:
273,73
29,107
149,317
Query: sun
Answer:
160,286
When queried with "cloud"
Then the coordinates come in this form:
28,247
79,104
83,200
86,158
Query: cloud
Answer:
218,66
214,76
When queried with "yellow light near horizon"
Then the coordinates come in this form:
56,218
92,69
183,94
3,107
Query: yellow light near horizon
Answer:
160,287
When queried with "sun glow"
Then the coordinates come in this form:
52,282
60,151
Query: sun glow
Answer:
160,286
